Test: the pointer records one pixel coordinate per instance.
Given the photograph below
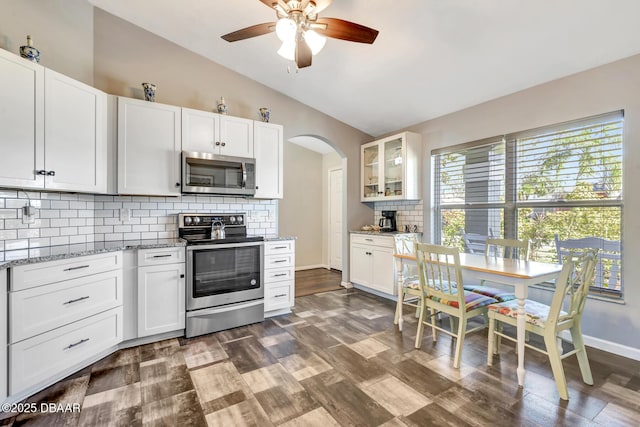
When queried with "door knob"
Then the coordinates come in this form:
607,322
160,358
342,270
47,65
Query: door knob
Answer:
51,173
182,276
177,184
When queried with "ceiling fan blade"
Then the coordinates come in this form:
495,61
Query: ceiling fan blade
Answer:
303,54
253,31
345,30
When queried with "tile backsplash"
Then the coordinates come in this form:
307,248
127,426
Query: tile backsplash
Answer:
68,218
408,212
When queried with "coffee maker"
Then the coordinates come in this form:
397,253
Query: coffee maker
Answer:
388,221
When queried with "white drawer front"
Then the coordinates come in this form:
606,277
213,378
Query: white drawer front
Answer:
44,356
278,296
278,247
160,256
32,275
273,275
37,310
278,261
366,239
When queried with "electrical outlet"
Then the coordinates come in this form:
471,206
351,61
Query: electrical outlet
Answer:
28,214
125,215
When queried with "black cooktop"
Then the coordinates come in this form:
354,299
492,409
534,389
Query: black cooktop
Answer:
199,240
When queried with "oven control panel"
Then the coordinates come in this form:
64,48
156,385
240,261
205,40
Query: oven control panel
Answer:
207,220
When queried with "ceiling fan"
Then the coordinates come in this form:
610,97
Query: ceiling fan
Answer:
302,32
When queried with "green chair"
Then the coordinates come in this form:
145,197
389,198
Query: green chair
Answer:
441,287
546,321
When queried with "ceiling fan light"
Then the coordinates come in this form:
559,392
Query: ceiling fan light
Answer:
287,50
315,41
286,29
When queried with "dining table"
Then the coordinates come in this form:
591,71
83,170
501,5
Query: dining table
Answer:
515,273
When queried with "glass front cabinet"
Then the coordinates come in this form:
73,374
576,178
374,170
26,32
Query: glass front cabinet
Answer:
390,168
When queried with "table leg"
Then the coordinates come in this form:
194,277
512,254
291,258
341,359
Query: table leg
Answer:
521,295
400,293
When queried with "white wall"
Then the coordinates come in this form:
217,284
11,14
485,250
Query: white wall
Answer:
611,87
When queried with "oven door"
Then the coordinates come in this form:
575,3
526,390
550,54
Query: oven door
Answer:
224,274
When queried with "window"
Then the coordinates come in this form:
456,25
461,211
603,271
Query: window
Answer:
554,183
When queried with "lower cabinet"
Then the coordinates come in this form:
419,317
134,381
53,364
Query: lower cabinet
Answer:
279,277
372,263
161,291
4,386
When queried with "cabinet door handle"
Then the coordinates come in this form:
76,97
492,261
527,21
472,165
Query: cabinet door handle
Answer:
82,341
369,240
280,295
280,247
162,256
76,268
71,301
223,144
41,172
182,276
217,142
281,274
51,173
177,184
280,260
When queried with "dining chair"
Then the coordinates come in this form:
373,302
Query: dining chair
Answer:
474,243
440,278
548,321
409,292
501,248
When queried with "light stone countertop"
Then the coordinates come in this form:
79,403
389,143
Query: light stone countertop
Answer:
380,233
277,238
51,253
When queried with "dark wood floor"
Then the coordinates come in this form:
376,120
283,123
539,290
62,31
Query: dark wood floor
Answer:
337,360
314,281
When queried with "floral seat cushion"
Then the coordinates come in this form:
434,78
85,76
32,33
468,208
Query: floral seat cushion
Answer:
498,294
411,283
471,299
536,313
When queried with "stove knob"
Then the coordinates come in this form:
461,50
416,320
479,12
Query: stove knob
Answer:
196,220
187,220
239,219
232,219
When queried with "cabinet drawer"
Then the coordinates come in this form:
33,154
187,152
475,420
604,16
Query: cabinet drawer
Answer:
37,310
278,247
47,355
366,239
160,256
32,275
278,261
278,296
278,275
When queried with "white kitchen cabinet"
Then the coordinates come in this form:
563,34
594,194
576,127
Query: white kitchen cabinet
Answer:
207,132
161,291
268,148
372,264
148,148
4,386
390,168
75,135
53,126
279,277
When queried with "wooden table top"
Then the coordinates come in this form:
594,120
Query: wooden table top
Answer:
503,267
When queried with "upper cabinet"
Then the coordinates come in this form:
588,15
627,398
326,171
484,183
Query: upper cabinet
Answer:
390,168
53,126
148,148
214,133
268,149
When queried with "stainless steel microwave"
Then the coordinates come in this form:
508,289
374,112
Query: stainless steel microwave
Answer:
217,174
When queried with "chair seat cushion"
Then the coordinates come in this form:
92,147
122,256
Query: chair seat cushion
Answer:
497,294
536,312
411,283
471,299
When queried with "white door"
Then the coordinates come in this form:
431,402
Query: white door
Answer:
335,219
268,149
200,131
360,265
236,136
161,305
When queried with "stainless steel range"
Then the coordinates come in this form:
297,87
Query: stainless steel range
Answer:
225,272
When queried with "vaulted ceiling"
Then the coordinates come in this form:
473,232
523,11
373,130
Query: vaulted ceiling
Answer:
432,57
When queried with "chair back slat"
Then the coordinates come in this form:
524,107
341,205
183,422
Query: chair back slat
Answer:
405,244
607,272
475,243
572,287
507,248
439,272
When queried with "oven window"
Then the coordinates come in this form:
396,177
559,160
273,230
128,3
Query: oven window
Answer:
219,271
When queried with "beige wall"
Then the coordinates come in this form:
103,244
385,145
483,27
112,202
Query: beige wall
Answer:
300,212
61,29
603,89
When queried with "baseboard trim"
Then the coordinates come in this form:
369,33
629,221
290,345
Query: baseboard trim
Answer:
311,267
608,346
346,285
